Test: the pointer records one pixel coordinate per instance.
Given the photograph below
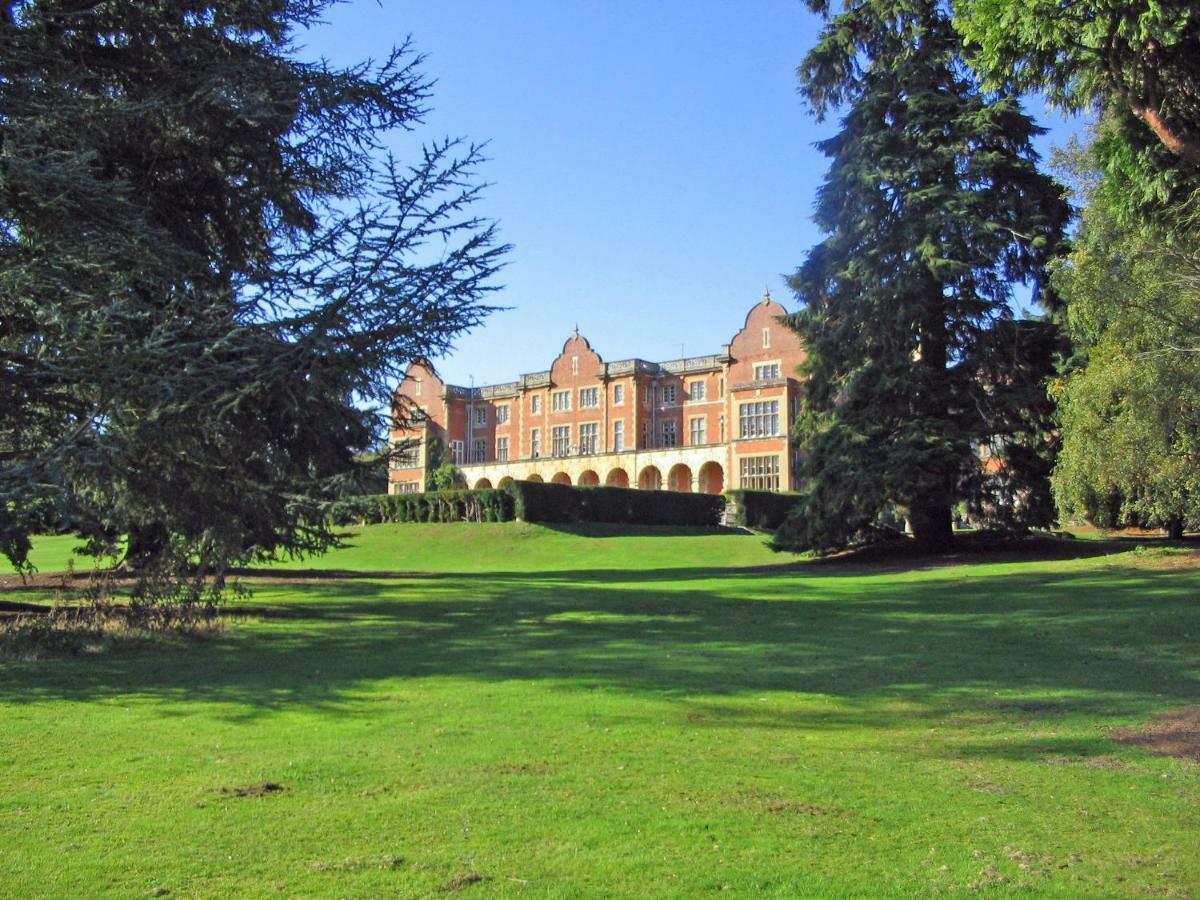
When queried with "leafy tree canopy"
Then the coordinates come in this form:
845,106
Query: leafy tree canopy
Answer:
1140,58
209,262
1130,413
933,206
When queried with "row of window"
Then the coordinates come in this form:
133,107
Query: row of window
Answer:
757,419
589,397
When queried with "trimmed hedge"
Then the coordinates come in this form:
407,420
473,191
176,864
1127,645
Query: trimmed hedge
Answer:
761,509
536,501
484,505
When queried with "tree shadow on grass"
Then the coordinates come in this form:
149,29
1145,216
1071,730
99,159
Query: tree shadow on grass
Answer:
902,556
1115,644
618,530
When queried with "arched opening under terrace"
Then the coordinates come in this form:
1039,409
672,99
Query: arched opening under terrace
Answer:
712,478
650,479
680,479
617,478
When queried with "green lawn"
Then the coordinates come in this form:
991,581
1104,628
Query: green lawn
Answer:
514,710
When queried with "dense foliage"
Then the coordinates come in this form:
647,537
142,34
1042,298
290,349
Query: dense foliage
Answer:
1138,58
932,208
480,505
760,509
208,261
1130,413
536,501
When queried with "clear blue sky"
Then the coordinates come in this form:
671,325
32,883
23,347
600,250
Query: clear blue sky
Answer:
651,162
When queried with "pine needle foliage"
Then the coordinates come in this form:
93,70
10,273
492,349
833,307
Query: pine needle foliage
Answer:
1137,61
932,208
210,265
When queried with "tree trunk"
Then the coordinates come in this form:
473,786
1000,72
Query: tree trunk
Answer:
1177,140
932,524
146,545
1174,528
931,515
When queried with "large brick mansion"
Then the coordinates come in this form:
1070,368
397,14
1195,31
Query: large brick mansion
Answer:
704,423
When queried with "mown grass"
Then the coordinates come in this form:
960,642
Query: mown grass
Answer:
515,710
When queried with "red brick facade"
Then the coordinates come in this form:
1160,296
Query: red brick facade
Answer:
704,423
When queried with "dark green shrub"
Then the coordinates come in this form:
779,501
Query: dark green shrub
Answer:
761,509
435,506
542,502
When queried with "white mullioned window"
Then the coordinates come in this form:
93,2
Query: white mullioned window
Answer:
669,435
480,416
560,401
759,419
618,395
502,413
589,438
535,443
560,437
618,436
456,452
406,487
698,433
589,398
535,404
501,449
766,372
480,454
405,456
668,393
759,473
696,391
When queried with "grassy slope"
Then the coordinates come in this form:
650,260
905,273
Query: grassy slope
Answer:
598,715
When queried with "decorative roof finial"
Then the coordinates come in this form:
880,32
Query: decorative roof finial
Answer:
766,295
576,329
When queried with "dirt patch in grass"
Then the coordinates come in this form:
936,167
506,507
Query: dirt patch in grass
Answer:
255,790
902,554
357,864
1181,560
459,882
1029,707
519,769
989,788
798,808
1175,733
1112,763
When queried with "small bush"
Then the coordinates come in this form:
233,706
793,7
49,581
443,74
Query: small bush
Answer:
765,510
542,502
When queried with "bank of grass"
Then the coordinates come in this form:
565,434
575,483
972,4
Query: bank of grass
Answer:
514,710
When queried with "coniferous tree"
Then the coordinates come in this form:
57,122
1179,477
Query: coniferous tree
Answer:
1136,60
209,263
933,206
